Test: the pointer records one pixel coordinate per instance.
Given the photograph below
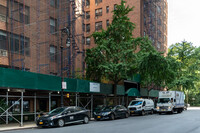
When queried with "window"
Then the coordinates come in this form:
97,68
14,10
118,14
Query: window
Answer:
20,12
107,9
83,27
164,38
158,9
145,21
144,33
87,3
54,104
3,11
15,106
26,106
27,46
53,54
83,40
98,2
107,23
158,45
53,3
3,37
98,26
53,25
159,21
159,33
87,15
88,28
115,6
98,12
24,15
88,41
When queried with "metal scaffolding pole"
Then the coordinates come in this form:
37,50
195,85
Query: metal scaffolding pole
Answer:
49,101
91,106
35,105
76,99
22,111
7,106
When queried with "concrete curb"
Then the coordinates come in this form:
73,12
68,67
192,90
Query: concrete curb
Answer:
17,128
25,127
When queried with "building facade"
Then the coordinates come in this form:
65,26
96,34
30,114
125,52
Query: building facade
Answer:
149,16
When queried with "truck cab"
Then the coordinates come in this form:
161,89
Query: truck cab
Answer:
170,102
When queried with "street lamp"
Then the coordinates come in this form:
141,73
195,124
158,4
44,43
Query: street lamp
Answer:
64,31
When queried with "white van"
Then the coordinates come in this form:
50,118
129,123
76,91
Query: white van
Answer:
141,106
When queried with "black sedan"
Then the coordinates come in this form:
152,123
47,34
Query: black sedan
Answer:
63,115
111,112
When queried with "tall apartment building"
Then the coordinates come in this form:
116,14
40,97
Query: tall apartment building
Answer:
30,31
30,35
150,17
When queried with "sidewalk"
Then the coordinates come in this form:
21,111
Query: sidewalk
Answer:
16,126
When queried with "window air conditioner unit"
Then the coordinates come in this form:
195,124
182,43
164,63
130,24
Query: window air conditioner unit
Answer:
3,52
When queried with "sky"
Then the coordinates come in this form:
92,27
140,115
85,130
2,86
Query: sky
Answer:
184,21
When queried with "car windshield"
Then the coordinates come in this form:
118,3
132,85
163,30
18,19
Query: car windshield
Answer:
57,111
163,100
108,108
136,103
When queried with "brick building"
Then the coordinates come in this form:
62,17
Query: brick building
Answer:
150,17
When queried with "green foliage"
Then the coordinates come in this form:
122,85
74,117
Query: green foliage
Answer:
187,74
155,69
114,56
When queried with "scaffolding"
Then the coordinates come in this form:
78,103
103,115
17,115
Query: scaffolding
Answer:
34,36
154,22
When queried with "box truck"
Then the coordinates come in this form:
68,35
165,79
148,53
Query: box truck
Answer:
170,102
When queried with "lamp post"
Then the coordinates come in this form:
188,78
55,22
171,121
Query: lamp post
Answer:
64,31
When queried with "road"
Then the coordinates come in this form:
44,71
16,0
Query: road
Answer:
186,122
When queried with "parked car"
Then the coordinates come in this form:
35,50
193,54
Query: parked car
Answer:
141,106
63,115
111,112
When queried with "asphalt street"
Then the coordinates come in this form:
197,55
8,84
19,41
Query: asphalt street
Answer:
186,122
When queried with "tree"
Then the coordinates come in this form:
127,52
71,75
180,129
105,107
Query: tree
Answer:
114,56
153,67
187,73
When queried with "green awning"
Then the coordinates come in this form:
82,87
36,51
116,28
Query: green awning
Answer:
154,93
133,92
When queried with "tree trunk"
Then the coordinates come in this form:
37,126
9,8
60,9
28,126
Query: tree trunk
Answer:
115,93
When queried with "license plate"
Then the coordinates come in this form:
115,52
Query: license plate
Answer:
163,109
132,111
40,122
98,116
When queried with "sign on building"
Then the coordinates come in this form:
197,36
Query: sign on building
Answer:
94,87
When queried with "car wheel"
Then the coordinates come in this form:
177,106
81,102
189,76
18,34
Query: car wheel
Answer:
151,112
126,115
86,120
143,113
61,123
112,117
172,112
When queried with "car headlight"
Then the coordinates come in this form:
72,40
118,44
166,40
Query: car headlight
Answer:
158,108
106,113
53,117
169,107
139,107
